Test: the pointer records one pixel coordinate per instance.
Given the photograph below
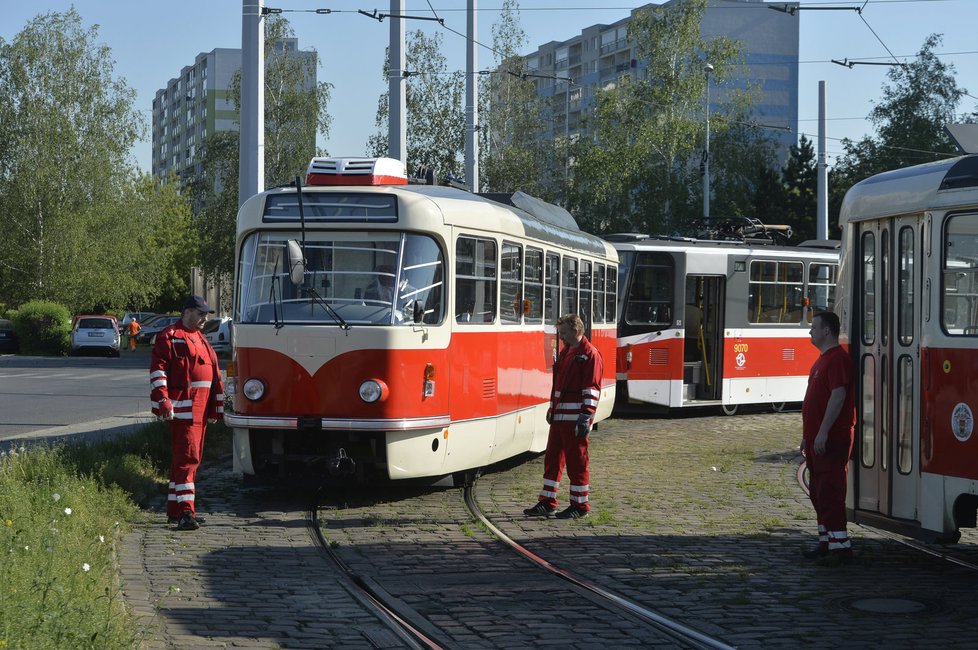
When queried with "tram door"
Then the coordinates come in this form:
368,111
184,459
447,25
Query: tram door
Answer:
887,403
703,349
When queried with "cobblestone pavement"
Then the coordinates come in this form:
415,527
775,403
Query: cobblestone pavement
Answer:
700,518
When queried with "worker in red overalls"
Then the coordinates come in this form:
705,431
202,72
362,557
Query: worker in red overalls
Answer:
573,401
186,391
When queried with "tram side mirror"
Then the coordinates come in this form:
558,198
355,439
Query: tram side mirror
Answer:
297,263
418,311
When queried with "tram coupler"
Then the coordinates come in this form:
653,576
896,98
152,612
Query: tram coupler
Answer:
341,464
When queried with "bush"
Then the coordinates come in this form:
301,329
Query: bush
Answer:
44,328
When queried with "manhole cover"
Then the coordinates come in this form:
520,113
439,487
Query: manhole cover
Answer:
888,605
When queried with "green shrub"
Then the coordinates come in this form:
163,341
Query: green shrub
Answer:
44,328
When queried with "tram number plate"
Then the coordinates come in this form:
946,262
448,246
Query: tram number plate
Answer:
309,423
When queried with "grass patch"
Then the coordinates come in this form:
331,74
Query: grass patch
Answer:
63,512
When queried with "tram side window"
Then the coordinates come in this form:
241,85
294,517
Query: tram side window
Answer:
568,286
651,295
585,302
511,283
775,292
533,286
959,281
475,280
821,288
611,295
597,304
869,287
552,288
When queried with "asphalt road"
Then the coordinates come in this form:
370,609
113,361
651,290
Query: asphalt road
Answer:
44,397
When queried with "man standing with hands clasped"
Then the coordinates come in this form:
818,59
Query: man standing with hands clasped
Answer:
186,391
573,401
828,415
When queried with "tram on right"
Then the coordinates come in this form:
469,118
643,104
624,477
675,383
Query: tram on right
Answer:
907,296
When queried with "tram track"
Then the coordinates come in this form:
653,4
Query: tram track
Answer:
681,633
407,632
417,599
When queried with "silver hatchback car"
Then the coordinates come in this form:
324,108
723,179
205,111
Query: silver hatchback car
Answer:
95,334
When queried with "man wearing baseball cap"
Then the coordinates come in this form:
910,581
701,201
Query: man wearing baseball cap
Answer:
186,391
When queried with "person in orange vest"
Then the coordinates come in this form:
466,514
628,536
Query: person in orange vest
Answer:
132,329
573,402
188,393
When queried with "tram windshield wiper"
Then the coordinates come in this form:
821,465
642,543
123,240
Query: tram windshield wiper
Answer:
316,299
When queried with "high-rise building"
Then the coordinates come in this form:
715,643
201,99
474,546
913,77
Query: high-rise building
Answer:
602,54
195,105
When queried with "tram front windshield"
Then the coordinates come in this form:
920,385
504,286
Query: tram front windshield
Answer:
375,278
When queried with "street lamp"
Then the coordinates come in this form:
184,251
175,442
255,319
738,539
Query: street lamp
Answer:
708,68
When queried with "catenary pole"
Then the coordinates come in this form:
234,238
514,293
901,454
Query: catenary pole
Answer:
397,128
471,99
822,179
251,144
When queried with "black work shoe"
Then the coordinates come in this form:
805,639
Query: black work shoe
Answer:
176,520
815,552
573,512
187,522
541,509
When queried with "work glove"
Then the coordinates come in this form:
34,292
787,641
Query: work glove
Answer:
550,416
583,425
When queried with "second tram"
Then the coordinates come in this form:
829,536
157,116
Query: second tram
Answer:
708,322
908,292
397,331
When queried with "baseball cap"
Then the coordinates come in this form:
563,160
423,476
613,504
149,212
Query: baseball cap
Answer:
196,302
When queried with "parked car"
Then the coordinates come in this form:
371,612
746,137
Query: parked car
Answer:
8,337
95,334
139,317
153,326
217,331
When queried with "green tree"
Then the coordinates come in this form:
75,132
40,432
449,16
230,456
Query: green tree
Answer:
514,155
920,98
435,109
636,170
75,231
215,195
800,179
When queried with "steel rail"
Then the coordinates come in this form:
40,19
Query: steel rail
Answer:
674,629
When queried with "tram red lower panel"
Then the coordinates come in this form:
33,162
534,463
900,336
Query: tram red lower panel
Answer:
480,374
949,401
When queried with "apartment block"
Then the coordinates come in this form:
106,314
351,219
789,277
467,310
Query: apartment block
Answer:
602,54
195,105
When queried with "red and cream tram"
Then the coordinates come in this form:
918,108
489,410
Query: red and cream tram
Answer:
386,329
908,291
719,322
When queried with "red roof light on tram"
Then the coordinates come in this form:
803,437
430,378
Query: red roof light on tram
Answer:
356,171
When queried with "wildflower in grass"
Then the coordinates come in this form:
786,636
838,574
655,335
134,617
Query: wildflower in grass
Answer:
86,567
67,511
101,539
8,522
27,548
56,497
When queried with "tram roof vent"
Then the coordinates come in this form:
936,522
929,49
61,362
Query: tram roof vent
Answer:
625,237
829,244
544,212
356,171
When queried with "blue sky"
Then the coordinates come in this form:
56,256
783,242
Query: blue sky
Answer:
151,41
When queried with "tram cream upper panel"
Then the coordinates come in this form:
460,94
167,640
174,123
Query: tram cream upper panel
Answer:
902,191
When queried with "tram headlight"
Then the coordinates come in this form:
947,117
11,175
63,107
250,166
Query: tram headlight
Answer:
373,390
253,389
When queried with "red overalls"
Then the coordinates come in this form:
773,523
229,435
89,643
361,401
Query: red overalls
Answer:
576,389
185,379
828,472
